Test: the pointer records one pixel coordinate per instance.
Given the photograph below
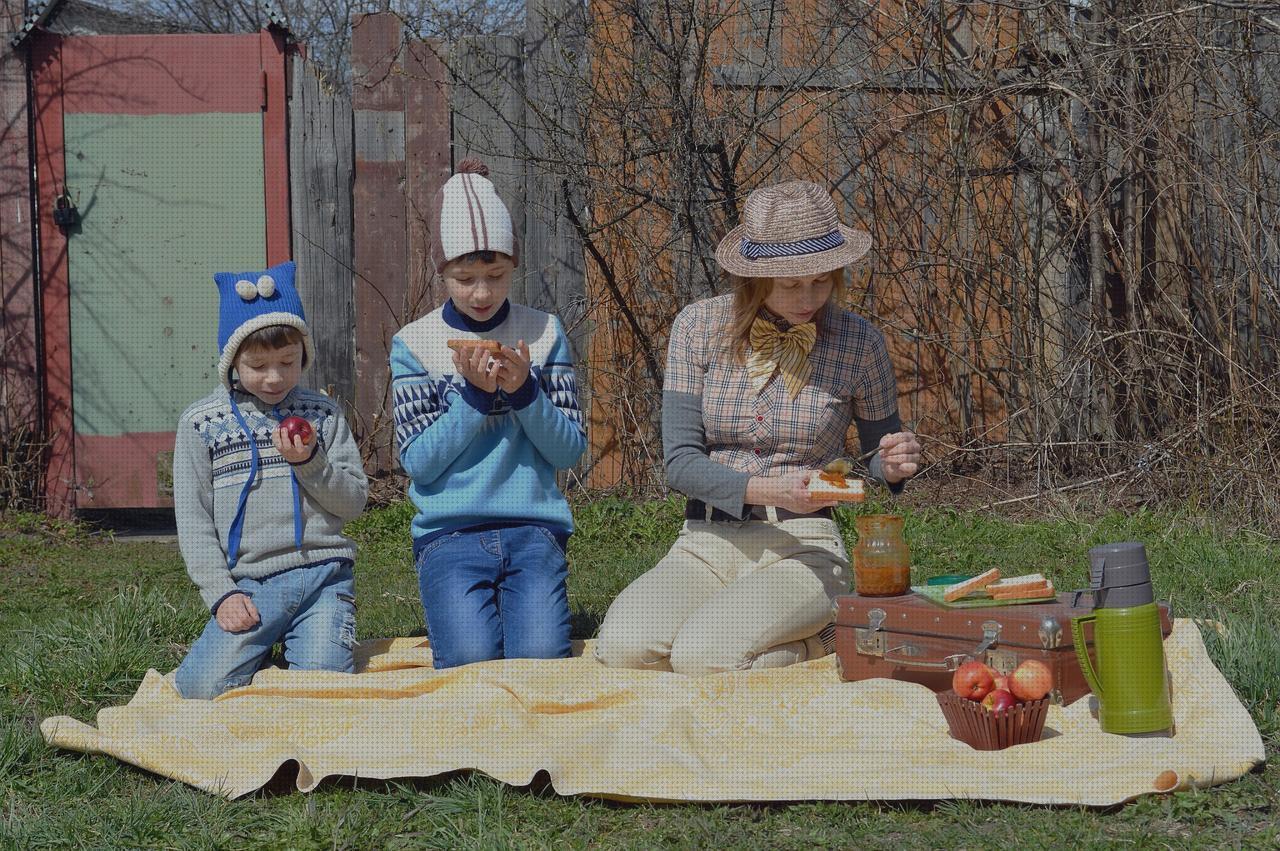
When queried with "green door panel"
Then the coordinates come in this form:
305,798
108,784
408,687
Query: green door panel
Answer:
165,201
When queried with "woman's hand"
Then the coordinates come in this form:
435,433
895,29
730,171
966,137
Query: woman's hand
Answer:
478,368
900,456
789,491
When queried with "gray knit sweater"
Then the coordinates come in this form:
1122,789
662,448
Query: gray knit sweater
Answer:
211,464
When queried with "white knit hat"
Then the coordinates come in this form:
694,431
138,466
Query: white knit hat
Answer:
471,217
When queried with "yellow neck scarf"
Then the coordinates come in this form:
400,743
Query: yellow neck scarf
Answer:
785,351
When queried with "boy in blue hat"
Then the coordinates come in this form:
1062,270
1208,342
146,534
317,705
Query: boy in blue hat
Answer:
260,508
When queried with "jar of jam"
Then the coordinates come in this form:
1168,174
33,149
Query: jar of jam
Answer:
881,559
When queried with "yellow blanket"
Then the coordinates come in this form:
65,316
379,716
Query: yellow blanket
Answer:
787,734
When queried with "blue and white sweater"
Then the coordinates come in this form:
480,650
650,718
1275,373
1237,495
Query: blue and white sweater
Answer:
477,459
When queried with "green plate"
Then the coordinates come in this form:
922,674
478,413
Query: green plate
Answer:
949,579
933,593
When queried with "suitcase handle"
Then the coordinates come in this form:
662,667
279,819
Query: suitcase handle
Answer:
949,663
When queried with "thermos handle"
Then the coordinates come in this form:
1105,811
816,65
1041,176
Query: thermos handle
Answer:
1082,652
1097,595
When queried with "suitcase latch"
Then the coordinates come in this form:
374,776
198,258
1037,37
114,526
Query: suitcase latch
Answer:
990,635
1003,661
871,641
1050,633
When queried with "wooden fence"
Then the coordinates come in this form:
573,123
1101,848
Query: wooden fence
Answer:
1045,272
364,170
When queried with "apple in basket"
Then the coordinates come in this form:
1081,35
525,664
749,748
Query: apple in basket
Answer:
973,680
1031,680
998,700
296,427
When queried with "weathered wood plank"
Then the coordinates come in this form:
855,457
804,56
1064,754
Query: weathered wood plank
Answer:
275,165
554,279
555,175
320,177
19,380
380,243
488,121
427,165
55,301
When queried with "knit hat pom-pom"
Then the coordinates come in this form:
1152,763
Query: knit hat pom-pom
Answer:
471,165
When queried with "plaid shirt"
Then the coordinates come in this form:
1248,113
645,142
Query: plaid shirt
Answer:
769,433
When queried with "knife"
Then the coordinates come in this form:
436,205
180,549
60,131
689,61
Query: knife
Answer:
844,466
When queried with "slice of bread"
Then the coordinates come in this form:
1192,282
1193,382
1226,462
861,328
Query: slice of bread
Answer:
1017,582
1025,592
466,346
829,487
968,586
1018,589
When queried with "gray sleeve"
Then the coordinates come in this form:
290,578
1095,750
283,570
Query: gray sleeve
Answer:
334,476
689,469
193,509
869,434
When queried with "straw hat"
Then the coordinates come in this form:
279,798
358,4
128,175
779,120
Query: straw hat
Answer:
790,230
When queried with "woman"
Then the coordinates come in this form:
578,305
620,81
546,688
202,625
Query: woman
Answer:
761,388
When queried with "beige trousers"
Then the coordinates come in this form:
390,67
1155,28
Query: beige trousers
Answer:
730,597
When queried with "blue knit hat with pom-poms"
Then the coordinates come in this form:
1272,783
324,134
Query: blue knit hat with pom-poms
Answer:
251,301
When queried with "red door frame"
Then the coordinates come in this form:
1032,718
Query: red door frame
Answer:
51,92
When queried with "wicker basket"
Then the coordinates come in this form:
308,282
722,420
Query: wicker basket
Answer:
984,730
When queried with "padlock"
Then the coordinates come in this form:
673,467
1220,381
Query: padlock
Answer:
65,214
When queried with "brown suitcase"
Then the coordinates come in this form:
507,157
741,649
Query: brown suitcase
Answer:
915,640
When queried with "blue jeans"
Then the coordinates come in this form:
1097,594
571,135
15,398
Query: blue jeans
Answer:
494,594
312,610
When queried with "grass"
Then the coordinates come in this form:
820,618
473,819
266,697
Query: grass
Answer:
84,616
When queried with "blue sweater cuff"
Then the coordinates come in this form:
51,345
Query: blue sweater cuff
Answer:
524,397
213,610
477,398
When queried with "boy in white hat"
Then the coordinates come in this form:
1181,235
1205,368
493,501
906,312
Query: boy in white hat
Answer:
486,412
261,502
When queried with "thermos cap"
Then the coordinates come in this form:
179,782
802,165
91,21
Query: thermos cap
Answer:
1125,597
1118,565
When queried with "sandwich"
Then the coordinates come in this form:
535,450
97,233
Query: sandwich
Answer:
466,347
1033,586
833,487
1027,587
969,586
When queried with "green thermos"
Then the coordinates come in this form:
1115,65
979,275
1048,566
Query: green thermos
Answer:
1130,680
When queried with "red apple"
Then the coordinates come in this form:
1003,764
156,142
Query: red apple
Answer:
998,700
1002,682
973,680
1031,680
296,426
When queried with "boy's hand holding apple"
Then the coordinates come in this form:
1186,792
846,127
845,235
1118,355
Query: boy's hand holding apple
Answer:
237,613
293,439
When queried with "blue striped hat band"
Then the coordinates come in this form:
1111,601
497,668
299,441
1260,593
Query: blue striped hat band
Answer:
758,250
